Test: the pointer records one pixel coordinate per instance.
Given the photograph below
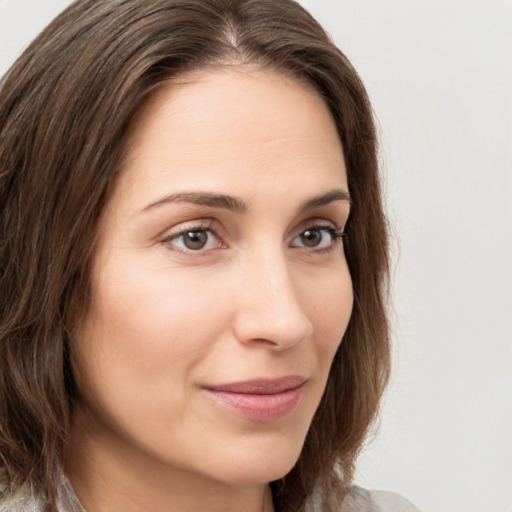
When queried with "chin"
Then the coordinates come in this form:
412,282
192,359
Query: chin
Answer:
259,465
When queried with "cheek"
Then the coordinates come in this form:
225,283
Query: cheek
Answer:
143,331
329,302
158,304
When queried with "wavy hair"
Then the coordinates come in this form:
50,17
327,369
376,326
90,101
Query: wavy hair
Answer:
65,107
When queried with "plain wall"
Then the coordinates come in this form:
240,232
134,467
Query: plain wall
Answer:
440,77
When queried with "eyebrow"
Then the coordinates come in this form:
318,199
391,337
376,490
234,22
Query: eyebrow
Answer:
236,205
322,200
203,198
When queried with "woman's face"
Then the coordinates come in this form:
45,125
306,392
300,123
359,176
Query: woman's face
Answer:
220,290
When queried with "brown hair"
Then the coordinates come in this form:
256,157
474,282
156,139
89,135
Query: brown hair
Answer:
64,111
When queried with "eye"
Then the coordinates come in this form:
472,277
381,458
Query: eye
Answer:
317,237
195,239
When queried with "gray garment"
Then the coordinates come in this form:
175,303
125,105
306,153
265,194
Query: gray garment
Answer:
27,501
359,500
362,500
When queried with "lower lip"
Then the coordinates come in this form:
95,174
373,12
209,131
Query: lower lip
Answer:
259,408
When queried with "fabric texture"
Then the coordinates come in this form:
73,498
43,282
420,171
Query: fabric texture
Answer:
25,500
358,500
363,500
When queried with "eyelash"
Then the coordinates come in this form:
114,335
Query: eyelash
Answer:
335,233
205,226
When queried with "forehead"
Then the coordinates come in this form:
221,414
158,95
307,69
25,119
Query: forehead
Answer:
227,127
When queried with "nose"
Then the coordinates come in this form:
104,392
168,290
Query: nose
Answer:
269,304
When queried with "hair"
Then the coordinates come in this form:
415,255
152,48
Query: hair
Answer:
65,108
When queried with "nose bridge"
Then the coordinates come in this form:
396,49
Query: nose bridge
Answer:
269,301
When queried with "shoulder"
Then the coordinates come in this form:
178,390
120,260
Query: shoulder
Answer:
363,500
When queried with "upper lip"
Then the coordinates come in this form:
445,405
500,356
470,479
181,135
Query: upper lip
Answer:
265,386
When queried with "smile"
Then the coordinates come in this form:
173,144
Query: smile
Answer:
261,400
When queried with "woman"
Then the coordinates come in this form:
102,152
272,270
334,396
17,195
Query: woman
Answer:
193,263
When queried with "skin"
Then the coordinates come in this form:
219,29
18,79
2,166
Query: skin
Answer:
254,302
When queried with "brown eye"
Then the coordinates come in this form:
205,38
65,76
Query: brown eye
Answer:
311,237
195,240
200,239
317,237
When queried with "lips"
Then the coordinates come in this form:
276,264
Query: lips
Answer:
259,400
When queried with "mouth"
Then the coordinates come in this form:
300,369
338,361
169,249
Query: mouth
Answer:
260,400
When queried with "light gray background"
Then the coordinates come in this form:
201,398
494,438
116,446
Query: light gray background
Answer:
440,75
